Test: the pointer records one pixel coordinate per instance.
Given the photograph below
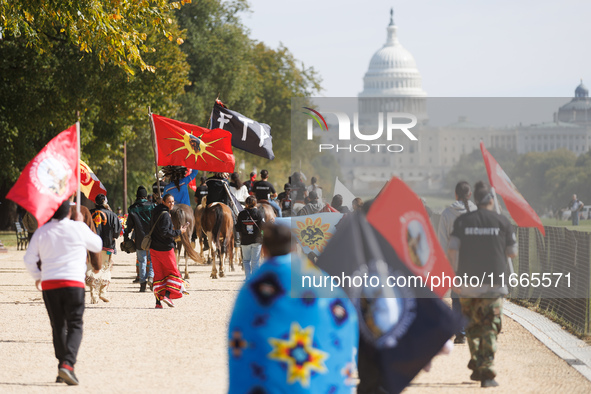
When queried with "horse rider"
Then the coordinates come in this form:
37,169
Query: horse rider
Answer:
218,191
265,192
178,183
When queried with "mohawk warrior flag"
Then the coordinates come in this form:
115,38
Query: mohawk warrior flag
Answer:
90,185
50,178
184,144
523,214
400,217
248,135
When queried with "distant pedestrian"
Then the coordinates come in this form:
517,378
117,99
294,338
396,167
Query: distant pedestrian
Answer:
575,205
237,188
449,215
30,224
357,204
108,228
315,188
313,206
56,259
337,203
264,191
482,240
168,284
201,190
250,182
248,225
138,224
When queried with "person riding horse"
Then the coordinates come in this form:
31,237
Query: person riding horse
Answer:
218,191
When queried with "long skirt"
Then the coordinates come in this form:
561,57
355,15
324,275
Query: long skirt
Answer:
166,275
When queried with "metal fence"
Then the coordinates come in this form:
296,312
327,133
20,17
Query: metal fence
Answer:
562,254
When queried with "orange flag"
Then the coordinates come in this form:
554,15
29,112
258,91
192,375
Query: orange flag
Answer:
90,185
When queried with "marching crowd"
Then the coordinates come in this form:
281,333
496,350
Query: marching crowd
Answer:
284,330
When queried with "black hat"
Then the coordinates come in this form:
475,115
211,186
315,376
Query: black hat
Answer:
141,192
100,199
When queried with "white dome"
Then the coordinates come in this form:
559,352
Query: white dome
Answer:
392,57
392,71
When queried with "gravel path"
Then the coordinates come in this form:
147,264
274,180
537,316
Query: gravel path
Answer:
129,347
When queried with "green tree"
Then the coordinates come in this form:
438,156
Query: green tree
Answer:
39,94
114,31
249,77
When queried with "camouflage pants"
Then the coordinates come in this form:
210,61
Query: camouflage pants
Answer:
482,330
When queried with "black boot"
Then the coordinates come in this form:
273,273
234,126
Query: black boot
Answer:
143,287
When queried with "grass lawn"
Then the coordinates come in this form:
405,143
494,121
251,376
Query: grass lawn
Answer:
8,238
584,225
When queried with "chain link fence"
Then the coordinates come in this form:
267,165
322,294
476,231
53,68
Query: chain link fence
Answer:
564,256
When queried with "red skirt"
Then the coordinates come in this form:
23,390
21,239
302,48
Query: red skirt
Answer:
166,274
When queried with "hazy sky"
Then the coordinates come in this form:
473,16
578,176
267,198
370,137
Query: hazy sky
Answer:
522,48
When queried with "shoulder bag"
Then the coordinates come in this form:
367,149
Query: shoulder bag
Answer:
147,241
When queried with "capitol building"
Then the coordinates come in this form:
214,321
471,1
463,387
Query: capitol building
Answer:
393,83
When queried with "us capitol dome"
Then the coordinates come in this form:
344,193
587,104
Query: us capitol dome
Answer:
393,82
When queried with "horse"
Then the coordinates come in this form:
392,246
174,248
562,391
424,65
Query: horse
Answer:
268,214
198,229
181,214
268,211
218,225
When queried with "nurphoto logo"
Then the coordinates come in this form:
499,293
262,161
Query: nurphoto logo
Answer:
393,124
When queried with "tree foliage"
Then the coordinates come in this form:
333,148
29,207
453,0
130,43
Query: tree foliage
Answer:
547,180
45,78
115,31
40,92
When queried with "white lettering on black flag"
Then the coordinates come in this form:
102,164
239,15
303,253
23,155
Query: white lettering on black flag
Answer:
248,135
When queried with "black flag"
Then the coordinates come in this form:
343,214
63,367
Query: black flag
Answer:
248,135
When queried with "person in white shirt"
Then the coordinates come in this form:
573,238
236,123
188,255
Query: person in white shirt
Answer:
238,189
56,259
315,188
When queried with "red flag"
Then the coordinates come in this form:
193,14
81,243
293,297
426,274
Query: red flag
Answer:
400,217
193,184
90,185
523,214
184,144
50,178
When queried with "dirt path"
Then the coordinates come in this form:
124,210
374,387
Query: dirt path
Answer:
129,347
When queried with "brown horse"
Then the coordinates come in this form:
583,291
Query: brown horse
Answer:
267,211
198,229
218,225
181,214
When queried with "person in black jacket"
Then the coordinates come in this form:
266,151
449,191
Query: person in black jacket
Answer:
108,227
138,222
168,284
248,225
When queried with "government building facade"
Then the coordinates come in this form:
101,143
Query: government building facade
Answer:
393,83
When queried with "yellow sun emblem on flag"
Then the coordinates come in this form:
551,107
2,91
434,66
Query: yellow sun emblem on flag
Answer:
194,146
313,234
299,354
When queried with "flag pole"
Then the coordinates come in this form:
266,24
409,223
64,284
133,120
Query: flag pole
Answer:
498,210
78,164
153,135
